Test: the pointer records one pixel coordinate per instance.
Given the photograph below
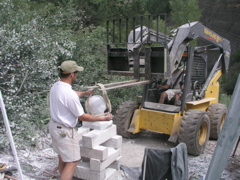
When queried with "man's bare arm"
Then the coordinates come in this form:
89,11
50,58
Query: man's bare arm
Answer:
91,118
84,93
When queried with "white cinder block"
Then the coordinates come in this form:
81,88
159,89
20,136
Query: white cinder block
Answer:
97,165
98,152
83,171
81,131
99,125
100,147
114,142
116,164
111,174
96,137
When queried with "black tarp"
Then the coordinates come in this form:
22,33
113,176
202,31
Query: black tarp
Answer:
161,164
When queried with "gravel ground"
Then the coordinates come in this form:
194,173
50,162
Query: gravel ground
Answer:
35,161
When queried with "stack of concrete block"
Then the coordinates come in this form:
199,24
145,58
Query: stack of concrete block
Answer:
100,149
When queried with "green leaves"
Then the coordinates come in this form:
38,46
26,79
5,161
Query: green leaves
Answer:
184,11
36,36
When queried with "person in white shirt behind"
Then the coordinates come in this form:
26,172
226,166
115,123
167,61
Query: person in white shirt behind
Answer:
174,88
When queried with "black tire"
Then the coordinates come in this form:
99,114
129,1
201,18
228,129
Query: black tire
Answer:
217,113
194,131
123,118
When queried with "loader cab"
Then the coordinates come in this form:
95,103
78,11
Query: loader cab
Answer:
194,69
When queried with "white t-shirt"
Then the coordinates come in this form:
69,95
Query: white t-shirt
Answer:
65,106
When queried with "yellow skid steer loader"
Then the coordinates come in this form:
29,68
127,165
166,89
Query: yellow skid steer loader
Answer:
154,56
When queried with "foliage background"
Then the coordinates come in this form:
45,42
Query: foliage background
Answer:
37,35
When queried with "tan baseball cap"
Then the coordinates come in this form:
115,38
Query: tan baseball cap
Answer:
70,66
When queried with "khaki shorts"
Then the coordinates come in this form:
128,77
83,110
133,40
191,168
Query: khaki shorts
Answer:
172,92
65,142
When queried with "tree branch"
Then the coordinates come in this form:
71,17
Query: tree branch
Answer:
21,83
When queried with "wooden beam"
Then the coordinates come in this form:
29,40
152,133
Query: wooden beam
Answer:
128,85
113,84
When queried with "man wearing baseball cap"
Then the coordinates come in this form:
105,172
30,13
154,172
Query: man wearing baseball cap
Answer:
66,110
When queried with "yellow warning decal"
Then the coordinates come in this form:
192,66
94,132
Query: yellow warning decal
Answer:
212,35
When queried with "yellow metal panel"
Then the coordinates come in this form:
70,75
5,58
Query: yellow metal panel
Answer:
161,122
176,124
213,87
211,95
175,128
134,126
202,104
200,101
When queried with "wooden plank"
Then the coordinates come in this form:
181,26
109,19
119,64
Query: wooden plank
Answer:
129,85
113,84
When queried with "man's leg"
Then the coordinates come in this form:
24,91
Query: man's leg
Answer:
61,164
177,97
68,170
163,97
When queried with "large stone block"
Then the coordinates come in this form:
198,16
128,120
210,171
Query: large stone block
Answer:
116,164
83,171
114,142
99,125
97,165
81,132
99,152
96,137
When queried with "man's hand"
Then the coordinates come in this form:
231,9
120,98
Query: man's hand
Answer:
108,116
89,92
166,86
91,118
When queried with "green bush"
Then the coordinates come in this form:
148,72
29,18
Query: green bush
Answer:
229,80
225,99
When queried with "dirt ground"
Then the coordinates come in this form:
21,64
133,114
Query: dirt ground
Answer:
35,161
133,150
